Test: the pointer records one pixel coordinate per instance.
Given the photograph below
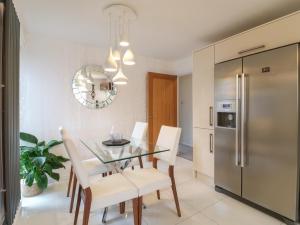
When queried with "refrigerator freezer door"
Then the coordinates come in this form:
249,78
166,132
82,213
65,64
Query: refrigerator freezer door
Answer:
227,173
270,173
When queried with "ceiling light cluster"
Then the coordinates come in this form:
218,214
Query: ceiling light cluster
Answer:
119,53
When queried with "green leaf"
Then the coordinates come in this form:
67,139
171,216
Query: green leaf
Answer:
48,168
62,159
41,143
39,161
29,179
28,138
53,143
55,176
41,180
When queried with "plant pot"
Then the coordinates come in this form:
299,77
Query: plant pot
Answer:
30,191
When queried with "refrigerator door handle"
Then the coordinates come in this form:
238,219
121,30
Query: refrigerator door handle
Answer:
237,129
211,143
243,119
211,123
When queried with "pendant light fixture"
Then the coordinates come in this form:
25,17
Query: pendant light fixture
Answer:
120,78
124,42
110,63
116,49
128,58
119,53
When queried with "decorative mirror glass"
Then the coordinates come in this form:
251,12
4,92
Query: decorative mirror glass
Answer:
93,88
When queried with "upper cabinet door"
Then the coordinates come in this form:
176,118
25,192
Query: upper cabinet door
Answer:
203,88
277,33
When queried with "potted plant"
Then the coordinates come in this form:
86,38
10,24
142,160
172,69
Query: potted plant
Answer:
37,163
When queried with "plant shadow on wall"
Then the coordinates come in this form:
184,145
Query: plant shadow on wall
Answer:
37,163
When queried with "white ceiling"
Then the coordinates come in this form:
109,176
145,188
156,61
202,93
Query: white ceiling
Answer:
165,29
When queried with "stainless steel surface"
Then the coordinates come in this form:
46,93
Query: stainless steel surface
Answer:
227,174
238,123
251,49
243,119
211,122
271,103
211,143
2,210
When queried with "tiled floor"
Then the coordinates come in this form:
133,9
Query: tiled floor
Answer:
185,152
200,205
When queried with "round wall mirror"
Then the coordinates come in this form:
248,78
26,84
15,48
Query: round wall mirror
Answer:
93,88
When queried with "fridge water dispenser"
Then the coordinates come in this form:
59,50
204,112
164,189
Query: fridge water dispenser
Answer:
226,115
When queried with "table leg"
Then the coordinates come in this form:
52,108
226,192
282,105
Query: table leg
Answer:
104,215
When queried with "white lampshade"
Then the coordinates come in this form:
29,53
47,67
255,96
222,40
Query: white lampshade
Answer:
120,78
128,58
110,64
117,55
124,40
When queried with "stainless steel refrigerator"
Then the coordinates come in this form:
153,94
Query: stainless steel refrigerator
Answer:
256,129
2,211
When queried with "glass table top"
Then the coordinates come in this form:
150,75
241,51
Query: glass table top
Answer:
109,154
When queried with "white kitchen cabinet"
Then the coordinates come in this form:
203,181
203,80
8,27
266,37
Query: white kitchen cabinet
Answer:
203,88
277,33
203,150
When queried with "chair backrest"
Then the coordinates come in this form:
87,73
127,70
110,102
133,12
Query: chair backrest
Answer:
72,151
169,138
140,130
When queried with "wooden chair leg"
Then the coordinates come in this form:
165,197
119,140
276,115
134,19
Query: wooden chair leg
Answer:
158,194
135,207
73,193
77,205
141,162
70,181
122,207
171,174
140,205
87,206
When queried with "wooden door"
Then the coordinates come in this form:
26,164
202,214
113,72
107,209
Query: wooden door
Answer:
162,104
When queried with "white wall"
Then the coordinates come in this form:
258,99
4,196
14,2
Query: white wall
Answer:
183,66
46,98
185,109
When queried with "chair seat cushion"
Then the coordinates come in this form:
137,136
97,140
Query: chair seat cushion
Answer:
111,190
148,180
94,166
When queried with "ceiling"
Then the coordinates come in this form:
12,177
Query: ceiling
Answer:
164,29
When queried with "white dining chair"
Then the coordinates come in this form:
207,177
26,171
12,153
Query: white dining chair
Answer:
93,166
98,192
139,134
151,179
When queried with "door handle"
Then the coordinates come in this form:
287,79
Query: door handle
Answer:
211,143
211,122
2,190
238,122
243,119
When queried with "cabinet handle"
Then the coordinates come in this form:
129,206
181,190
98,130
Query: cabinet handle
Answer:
211,143
211,122
251,49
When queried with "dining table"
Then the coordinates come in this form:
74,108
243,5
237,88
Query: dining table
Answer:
117,157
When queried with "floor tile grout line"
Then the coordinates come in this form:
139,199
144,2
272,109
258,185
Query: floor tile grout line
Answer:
199,211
